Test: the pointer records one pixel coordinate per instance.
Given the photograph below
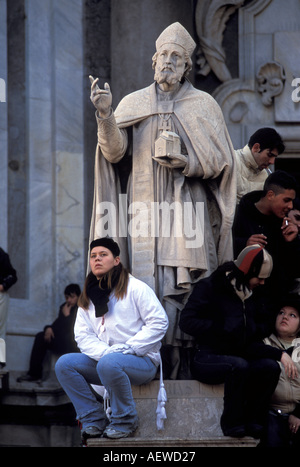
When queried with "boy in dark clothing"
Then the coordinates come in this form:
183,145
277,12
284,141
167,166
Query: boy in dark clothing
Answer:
225,316
262,218
59,337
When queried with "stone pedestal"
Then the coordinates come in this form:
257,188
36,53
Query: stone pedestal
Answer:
193,418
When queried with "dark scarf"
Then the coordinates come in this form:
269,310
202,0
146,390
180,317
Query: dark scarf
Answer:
100,295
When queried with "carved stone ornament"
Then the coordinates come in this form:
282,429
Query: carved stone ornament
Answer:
211,18
270,80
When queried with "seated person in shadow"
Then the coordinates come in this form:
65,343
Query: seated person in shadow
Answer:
283,345
225,316
57,337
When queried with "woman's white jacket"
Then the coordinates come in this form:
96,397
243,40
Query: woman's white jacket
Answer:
138,320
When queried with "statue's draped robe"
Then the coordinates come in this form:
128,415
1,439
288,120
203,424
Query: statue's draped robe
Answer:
168,261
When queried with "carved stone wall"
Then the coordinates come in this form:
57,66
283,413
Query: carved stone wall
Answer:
269,61
42,185
135,26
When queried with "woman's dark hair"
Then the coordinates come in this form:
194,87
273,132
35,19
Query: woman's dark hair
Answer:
115,280
293,300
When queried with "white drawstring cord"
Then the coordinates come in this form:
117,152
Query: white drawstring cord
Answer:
161,402
106,404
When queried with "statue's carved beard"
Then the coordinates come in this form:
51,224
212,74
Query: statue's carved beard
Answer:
167,75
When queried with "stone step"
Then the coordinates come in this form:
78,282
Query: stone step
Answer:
193,418
223,441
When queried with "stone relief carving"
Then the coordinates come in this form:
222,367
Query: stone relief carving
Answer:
238,111
268,63
270,80
211,17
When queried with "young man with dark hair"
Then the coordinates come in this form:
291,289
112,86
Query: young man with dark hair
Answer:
255,158
266,138
262,218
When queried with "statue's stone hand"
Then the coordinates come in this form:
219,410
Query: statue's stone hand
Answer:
172,161
101,98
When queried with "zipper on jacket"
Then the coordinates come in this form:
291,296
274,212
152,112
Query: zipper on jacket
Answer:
245,321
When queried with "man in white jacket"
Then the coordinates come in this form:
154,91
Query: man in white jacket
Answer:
119,326
254,159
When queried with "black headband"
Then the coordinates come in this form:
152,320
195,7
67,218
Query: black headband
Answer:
108,243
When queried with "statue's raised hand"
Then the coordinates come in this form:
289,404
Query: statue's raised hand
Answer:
101,98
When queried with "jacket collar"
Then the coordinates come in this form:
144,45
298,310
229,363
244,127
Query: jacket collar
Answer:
249,160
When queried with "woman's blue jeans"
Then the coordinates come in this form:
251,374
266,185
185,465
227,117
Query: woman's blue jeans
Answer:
116,372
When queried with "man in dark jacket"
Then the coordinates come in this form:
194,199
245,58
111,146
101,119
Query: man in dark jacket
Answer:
262,218
225,316
59,337
8,277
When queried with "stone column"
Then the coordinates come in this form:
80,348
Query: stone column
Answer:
54,189
3,126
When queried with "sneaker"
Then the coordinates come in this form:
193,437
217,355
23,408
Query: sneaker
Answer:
91,432
113,433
